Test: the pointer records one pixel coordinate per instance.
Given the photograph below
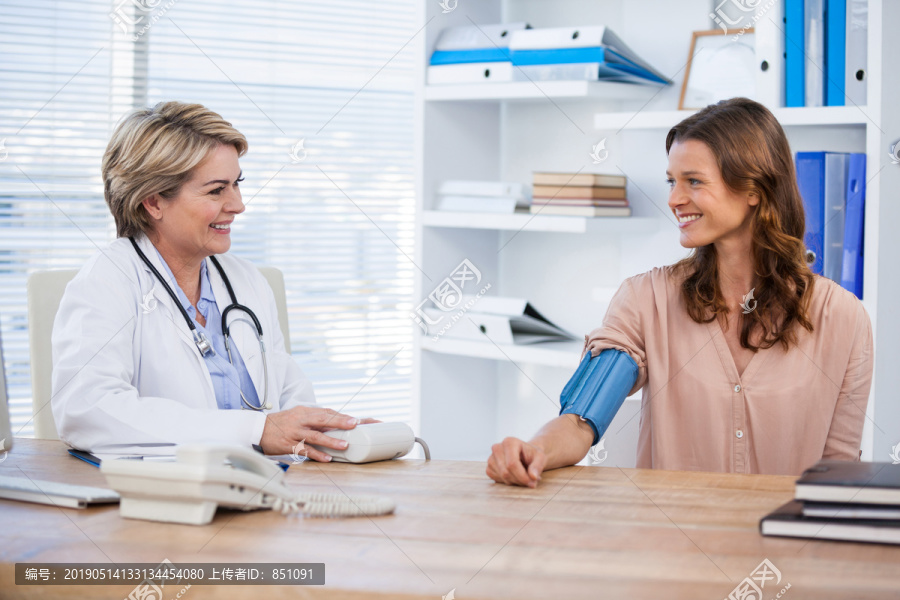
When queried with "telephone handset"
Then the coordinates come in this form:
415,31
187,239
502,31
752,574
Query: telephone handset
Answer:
189,489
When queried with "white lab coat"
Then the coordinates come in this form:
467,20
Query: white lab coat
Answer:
127,375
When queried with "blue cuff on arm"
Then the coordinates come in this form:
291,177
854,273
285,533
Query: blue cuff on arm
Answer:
598,388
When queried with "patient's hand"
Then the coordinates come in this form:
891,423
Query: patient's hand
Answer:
515,462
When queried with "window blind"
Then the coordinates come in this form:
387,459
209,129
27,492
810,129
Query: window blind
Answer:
55,114
323,93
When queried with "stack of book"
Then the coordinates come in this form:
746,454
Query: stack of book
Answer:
483,196
579,195
842,500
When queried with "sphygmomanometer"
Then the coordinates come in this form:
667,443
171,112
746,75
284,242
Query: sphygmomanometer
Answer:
598,388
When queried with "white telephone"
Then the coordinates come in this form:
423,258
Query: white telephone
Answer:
189,489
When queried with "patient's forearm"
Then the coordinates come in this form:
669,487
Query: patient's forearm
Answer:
565,440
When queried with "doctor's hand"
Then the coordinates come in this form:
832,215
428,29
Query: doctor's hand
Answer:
515,462
305,425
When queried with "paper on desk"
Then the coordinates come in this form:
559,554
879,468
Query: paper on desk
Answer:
109,456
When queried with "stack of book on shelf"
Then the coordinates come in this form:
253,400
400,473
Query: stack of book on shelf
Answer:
472,54
842,500
833,188
579,195
577,53
483,196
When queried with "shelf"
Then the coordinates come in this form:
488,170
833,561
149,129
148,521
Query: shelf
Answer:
551,354
540,90
788,117
529,222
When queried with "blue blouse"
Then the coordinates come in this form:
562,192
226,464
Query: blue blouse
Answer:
228,380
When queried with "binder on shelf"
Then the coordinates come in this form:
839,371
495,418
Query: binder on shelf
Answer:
475,55
469,73
580,72
794,58
501,320
857,38
835,51
811,182
814,38
467,37
854,225
554,38
769,42
836,165
609,64
472,54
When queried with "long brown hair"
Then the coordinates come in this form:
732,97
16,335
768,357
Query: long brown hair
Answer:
753,155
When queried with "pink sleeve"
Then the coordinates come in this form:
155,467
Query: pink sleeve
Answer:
622,329
845,434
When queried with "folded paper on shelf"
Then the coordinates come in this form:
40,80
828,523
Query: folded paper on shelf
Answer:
501,320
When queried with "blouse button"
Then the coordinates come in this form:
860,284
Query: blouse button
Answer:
739,433
737,388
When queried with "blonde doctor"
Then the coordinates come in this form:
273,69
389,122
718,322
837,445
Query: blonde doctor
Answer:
139,356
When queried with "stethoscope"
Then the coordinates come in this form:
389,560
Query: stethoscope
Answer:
200,339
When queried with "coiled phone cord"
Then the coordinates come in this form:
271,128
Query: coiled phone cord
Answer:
335,505
338,505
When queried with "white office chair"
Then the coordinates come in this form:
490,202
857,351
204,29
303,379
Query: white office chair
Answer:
45,290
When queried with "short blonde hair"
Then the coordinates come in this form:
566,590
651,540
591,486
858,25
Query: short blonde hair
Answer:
153,151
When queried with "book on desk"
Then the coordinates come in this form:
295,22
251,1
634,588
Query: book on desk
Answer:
842,500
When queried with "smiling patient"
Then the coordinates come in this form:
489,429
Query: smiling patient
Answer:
747,361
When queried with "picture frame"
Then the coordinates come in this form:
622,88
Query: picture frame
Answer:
719,66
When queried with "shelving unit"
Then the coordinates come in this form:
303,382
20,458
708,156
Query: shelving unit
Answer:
569,267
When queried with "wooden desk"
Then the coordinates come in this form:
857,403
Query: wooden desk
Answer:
585,532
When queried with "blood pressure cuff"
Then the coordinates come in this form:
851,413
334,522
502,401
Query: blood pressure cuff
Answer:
598,388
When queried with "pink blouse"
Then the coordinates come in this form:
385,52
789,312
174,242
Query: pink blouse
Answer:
787,410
